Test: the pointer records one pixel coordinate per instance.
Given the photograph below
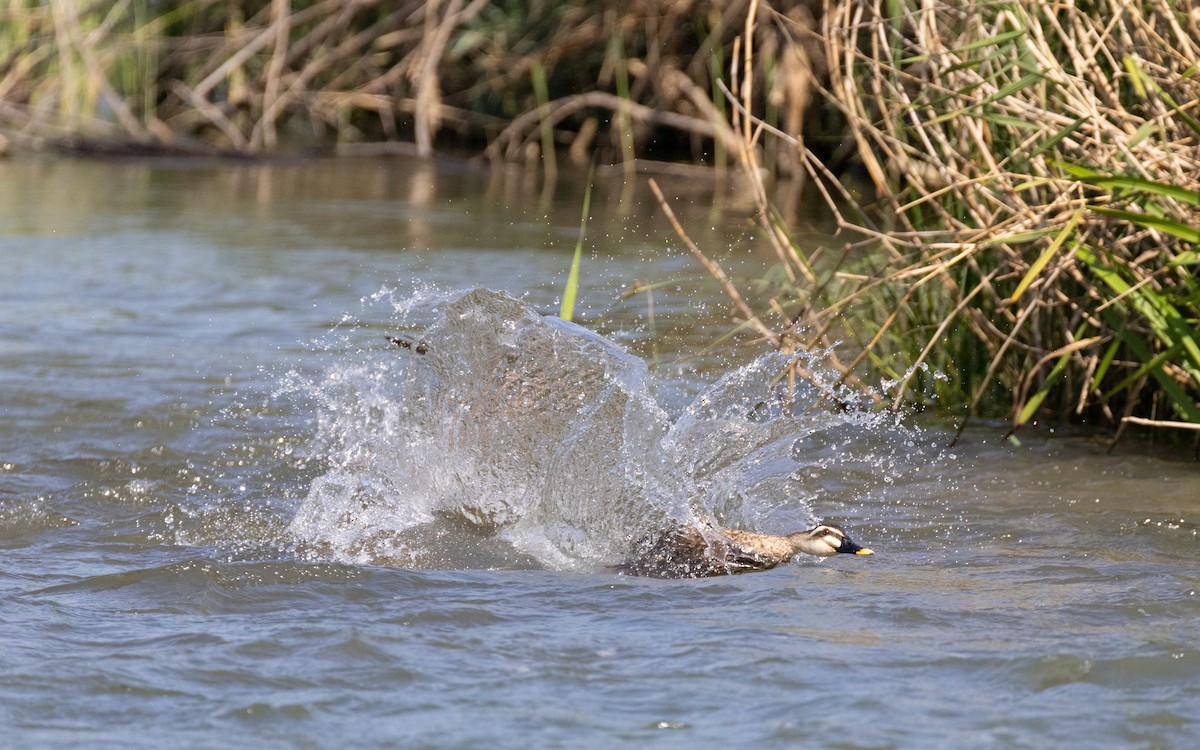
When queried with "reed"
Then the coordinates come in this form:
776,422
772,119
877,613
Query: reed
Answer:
228,76
566,310
1038,168
262,75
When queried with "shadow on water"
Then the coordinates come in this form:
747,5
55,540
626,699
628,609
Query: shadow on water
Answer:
498,437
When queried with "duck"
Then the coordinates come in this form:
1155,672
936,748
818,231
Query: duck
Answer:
709,550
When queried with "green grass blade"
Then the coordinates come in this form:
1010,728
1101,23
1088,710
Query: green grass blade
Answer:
1019,238
567,310
991,41
1136,76
1035,401
1183,404
1054,141
1186,258
1139,185
1007,121
1076,171
1142,84
1170,226
1105,363
1038,265
1013,88
542,90
1002,93
1155,363
1144,131
1170,327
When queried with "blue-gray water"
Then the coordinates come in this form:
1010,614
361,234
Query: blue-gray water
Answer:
231,515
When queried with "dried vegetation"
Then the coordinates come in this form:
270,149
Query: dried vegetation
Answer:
248,77
1039,167
1037,171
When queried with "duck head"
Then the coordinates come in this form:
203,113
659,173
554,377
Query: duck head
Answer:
825,540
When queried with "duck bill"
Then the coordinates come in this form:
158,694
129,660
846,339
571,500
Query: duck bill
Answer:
850,547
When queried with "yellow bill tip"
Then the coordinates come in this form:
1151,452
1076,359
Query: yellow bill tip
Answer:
864,551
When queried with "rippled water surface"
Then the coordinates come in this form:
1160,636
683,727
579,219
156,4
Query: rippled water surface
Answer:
233,515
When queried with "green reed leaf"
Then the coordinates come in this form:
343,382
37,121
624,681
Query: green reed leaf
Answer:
1186,258
1170,226
1139,185
1170,327
1038,265
1035,401
567,310
1053,141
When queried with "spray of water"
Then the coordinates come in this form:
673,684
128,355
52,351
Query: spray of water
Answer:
495,436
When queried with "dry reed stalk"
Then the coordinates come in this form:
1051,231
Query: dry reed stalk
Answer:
264,132
428,96
522,130
795,370
718,273
1160,423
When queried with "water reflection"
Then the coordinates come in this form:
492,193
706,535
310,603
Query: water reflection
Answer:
408,204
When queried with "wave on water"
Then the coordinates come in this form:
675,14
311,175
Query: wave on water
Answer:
499,437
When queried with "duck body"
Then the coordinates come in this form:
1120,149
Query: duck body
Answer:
704,552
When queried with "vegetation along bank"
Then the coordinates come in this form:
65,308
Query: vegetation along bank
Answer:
1034,223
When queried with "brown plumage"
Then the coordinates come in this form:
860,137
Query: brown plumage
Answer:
692,552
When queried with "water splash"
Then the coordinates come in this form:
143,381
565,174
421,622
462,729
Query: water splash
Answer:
500,437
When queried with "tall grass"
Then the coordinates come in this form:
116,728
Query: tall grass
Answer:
566,310
1038,172
232,76
256,76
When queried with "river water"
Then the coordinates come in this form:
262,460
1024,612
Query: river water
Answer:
233,515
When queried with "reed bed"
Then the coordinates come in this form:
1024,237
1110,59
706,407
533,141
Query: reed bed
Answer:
210,75
1040,169
523,77
1037,171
